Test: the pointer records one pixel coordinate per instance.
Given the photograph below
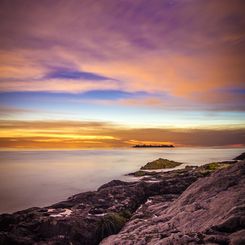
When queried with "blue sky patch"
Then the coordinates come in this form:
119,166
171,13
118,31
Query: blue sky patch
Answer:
68,74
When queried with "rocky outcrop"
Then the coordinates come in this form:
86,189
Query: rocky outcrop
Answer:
160,163
89,217
240,157
210,211
204,170
149,211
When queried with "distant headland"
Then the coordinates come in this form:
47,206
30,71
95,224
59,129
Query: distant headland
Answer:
152,146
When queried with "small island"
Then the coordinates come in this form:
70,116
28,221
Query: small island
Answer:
153,146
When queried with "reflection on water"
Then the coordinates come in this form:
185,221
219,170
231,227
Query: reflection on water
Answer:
39,178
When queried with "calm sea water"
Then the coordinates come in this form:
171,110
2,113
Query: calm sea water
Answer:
40,178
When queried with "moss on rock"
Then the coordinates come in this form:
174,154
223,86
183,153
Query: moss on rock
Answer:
139,173
161,163
213,166
110,224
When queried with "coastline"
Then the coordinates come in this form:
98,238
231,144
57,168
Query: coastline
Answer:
88,218
56,175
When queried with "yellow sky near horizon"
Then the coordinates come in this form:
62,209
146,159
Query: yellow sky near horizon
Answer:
75,134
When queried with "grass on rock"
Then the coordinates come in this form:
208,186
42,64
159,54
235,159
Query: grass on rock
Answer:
160,163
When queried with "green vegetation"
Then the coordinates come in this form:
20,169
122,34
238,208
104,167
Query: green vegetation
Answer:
161,164
140,173
210,167
126,213
111,224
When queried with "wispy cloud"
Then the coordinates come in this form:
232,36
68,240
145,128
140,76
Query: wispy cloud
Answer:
7,110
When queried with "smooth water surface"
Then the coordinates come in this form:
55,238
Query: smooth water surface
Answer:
39,178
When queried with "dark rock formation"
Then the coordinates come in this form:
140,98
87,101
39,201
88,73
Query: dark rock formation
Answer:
89,217
210,211
148,211
240,157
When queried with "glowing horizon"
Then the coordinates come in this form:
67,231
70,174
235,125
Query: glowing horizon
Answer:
77,74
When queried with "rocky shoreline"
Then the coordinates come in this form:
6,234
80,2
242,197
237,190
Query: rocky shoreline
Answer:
195,205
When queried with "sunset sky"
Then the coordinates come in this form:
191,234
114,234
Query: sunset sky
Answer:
114,73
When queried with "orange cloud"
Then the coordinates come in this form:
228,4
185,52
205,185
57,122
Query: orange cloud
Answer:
54,85
75,134
187,49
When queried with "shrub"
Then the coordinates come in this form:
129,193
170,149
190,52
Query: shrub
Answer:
110,224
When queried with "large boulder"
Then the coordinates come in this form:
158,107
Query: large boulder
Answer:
210,211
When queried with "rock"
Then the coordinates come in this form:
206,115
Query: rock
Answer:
210,211
87,218
113,183
240,157
156,209
215,166
160,164
238,238
141,173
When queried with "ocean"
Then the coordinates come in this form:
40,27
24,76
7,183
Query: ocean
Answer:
39,178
